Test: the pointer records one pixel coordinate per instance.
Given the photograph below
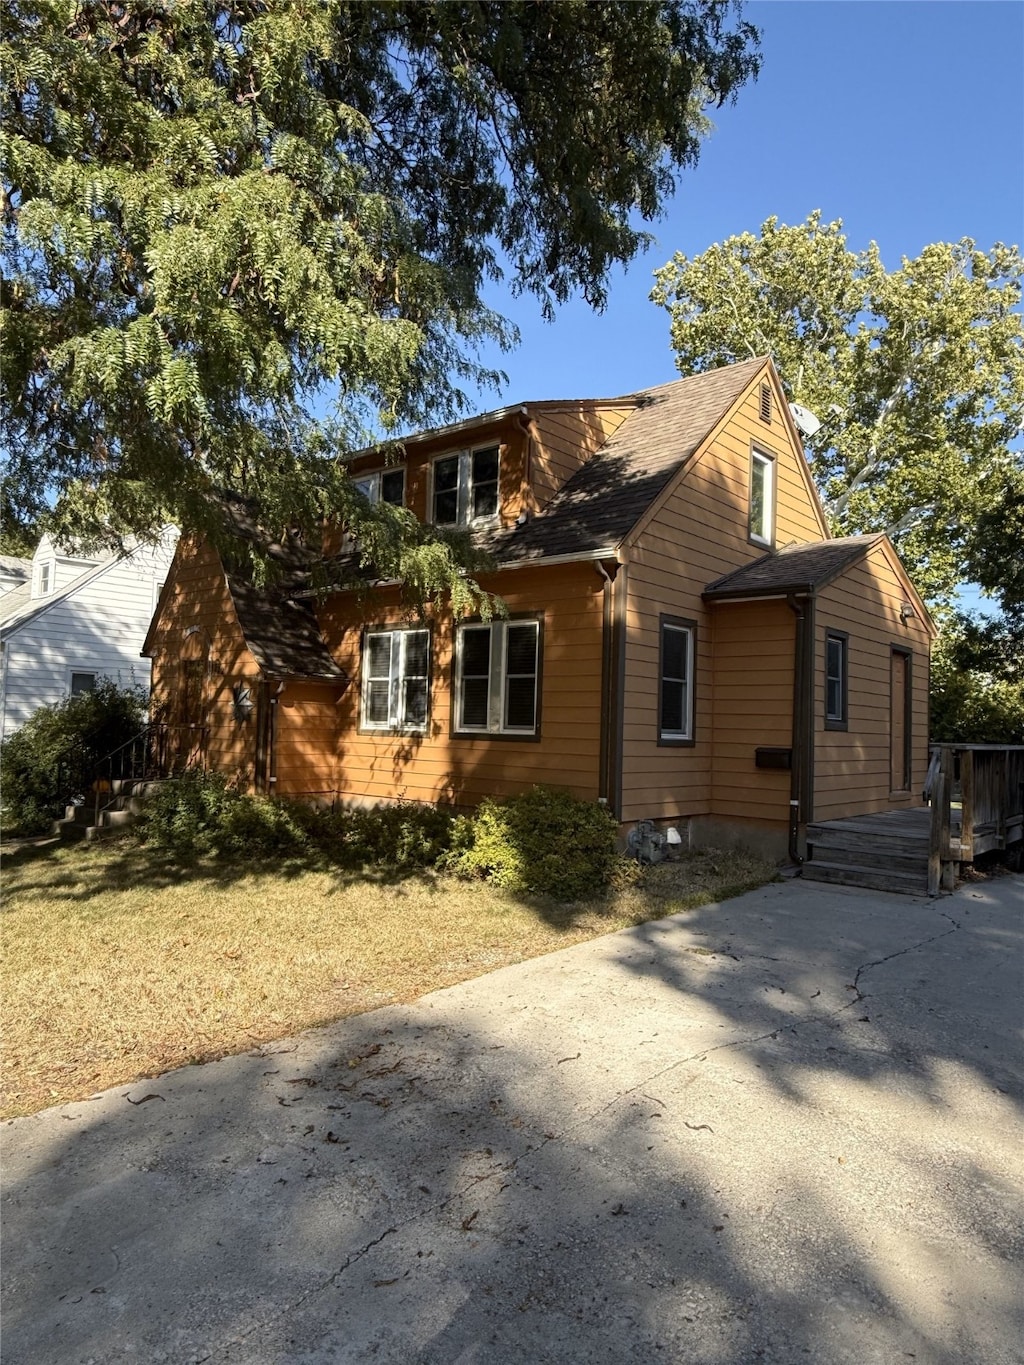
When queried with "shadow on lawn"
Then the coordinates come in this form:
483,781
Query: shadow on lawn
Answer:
632,1158
84,873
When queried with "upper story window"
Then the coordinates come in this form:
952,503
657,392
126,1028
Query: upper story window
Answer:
466,487
396,679
762,497
43,584
383,485
497,672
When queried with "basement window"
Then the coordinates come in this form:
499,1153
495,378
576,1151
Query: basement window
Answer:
396,680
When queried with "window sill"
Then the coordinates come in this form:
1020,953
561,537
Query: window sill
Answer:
504,736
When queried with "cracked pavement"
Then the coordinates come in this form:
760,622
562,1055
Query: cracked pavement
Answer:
783,1128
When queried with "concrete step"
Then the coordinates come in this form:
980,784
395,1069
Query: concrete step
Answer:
874,878
70,828
115,819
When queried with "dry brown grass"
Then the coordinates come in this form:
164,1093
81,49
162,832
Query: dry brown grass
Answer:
120,964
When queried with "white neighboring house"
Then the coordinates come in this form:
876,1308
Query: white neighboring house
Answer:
73,620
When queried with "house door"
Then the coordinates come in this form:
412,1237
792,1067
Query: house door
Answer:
899,721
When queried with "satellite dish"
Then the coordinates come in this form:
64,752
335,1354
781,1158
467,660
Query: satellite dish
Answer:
807,423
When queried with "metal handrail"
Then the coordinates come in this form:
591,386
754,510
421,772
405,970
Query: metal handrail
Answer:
157,751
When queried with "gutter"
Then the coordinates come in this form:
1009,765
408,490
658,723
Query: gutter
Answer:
803,679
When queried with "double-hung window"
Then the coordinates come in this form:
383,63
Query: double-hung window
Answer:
762,497
384,485
466,487
836,679
675,721
44,578
396,679
497,671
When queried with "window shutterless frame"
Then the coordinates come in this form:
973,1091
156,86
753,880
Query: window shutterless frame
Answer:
395,680
81,680
383,485
677,656
465,487
837,675
762,497
497,679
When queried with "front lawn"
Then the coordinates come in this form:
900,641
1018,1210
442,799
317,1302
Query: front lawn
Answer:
121,963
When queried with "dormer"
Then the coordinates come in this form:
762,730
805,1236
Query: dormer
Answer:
54,567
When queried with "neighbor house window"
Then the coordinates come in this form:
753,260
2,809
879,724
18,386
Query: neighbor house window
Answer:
396,679
497,669
836,679
44,578
675,724
466,487
762,497
384,485
82,682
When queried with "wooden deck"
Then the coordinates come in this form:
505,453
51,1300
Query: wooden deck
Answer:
887,851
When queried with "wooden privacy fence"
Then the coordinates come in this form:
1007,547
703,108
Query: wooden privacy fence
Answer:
976,792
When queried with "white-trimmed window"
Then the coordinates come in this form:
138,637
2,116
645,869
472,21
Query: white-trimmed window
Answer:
396,679
44,576
465,487
79,682
836,679
383,485
762,497
675,719
497,674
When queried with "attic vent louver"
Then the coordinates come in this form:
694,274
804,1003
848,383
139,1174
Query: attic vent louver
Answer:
766,403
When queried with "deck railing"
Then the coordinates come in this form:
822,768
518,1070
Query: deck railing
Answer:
976,792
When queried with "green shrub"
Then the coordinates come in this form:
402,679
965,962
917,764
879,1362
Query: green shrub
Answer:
544,841
402,836
54,756
202,813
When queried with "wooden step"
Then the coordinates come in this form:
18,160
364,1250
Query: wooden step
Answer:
890,856
873,878
871,841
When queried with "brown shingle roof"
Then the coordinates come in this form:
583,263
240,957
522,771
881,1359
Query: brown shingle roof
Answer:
796,568
283,634
601,503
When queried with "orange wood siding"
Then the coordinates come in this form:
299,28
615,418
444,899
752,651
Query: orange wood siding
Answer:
420,455
306,740
697,534
437,767
852,766
196,596
754,646
565,438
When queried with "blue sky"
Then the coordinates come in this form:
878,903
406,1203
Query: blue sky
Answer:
905,120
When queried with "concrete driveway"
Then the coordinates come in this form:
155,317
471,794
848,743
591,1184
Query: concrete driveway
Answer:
786,1128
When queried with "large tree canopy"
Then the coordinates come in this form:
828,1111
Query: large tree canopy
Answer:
916,375
221,221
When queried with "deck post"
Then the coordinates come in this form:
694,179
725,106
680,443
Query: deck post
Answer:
938,841
967,806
